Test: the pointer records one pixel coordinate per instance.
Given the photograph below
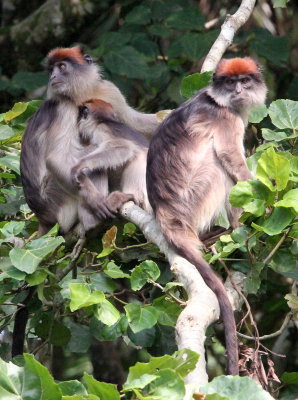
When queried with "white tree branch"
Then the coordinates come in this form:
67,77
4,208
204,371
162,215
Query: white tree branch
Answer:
227,33
202,307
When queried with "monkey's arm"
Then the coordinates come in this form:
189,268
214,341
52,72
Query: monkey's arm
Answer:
228,145
109,155
142,122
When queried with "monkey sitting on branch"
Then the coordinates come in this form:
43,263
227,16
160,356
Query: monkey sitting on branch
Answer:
119,158
194,159
51,146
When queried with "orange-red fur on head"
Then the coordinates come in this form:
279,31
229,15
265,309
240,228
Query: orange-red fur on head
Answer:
100,108
237,66
74,53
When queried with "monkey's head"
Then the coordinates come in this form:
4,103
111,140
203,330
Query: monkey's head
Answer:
72,74
238,84
94,112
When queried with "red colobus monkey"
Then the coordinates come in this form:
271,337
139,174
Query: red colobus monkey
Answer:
51,145
194,159
119,155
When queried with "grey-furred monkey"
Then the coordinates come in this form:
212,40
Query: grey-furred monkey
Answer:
119,157
194,159
51,146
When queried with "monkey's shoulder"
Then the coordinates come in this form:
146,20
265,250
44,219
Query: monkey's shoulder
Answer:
42,119
122,131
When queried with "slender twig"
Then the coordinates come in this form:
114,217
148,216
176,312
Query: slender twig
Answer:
271,335
75,255
273,251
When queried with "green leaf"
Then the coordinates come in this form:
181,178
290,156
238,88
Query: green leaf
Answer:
146,270
57,333
290,378
290,199
11,377
11,162
273,48
139,15
159,30
6,132
81,338
277,222
29,258
292,301
105,391
129,229
182,361
235,388
280,3
245,192
193,83
140,318
50,390
285,263
191,45
168,385
255,207
30,80
268,134
12,228
37,277
16,110
272,165
284,114
187,19
71,388
114,271
81,397
128,62
171,285
103,332
257,114
108,242
168,311
81,296
107,313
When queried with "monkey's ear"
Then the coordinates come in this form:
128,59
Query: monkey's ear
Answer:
88,59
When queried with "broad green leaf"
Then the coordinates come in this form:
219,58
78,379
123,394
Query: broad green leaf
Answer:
6,132
100,281
29,258
114,271
30,80
182,361
168,385
257,114
146,270
273,48
252,282
140,317
107,313
269,134
81,296
285,263
57,333
290,199
11,377
189,18
159,30
16,110
144,338
12,228
168,310
104,332
108,242
36,278
105,391
280,3
11,162
129,229
191,45
127,62
284,114
245,192
272,165
171,285
50,390
193,83
81,397
81,338
255,207
139,15
277,222
235,388
70,388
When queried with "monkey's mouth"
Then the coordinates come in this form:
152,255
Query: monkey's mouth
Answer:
56,83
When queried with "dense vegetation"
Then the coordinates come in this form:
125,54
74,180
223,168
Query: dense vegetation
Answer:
119,306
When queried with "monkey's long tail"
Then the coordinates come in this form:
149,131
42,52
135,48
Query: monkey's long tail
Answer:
188,247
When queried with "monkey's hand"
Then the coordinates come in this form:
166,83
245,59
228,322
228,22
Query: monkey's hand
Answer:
117,199
107,207
78,175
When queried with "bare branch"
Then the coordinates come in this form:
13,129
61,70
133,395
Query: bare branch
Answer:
226,36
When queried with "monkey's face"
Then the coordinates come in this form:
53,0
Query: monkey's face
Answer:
239,91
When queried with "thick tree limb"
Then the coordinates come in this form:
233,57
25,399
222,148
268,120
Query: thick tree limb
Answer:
226,36
202,306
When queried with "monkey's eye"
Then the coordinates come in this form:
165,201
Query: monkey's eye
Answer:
85,112
245,80
62,66
229,81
